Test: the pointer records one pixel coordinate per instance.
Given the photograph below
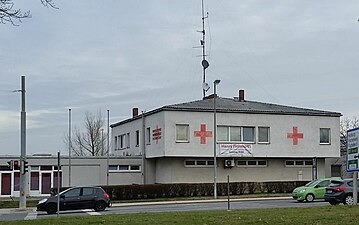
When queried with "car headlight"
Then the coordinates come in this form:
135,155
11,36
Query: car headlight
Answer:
43,201
302,191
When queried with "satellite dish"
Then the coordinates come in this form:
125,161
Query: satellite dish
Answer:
205,64
205,87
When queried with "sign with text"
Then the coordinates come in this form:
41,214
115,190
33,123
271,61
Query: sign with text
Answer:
239,150
352,150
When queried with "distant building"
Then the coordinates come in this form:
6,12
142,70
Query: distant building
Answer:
255,141
42,174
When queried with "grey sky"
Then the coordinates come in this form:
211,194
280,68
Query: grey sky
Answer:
117,54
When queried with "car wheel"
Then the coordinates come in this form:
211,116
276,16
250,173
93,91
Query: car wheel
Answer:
349,200
334,203
100,206
309,197
51,208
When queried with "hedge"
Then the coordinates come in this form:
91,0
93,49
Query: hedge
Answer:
151,191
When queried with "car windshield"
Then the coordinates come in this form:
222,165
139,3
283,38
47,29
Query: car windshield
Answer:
312,183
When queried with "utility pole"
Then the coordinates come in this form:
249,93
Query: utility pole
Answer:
22,202
70,146
108,147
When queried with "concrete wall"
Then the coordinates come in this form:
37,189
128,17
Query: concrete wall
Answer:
173,171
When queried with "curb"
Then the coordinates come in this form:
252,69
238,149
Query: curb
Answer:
198,201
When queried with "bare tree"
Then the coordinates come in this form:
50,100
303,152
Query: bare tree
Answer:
10,14
345,125
93,140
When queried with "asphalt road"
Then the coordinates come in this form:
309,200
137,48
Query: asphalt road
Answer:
30,214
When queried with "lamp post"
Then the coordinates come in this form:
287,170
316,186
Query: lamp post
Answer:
215,83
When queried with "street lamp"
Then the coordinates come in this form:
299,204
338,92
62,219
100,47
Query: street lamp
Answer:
215,83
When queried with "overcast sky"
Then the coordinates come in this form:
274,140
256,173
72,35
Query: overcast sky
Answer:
119,54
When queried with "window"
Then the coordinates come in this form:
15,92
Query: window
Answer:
148,135
123,167
298,163
87,191
263,134
222,133
182,133
121,140
128,140
198,163
113,167
72,193
324,135
116,143
34,181
134,167
248,134
137,138
201,163
190,162
235,134
252,163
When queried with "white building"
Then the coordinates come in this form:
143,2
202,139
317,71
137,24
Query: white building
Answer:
255,141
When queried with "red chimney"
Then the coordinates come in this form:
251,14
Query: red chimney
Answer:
134,112
241,95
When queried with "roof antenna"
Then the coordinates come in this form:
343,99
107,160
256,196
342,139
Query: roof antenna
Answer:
205,64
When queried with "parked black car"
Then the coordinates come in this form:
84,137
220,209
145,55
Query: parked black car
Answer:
76,198
340,192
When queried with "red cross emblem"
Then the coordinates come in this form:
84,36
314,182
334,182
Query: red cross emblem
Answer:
203,134
156,134
295,135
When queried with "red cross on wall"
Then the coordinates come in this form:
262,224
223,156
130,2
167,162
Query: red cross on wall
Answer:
295,135
203,134
156,133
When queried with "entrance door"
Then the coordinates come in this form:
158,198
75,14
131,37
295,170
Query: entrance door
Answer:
6,184
45,183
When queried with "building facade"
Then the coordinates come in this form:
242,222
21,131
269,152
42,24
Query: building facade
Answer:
255,141
43,172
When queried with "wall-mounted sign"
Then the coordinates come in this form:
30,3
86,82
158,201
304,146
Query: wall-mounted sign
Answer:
236,150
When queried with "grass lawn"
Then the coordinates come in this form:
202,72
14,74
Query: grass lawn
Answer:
312,215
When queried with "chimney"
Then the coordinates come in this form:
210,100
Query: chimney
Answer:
241,95
134,112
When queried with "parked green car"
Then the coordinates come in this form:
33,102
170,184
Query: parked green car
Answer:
312,190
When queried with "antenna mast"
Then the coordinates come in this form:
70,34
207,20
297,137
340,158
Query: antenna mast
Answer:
205,63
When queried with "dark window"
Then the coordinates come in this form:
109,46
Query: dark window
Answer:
45,167
137,138
241,163
34,181
112,167
16,181
210,163
263,134
324,135
289,163
299,163
201,163
4,168
123,167
88,191
135,167
252,163
262,163
308,162
336,170
55,179
72,193
190,163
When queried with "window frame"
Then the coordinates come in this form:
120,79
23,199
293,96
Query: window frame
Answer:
268,135
187,133
320,136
